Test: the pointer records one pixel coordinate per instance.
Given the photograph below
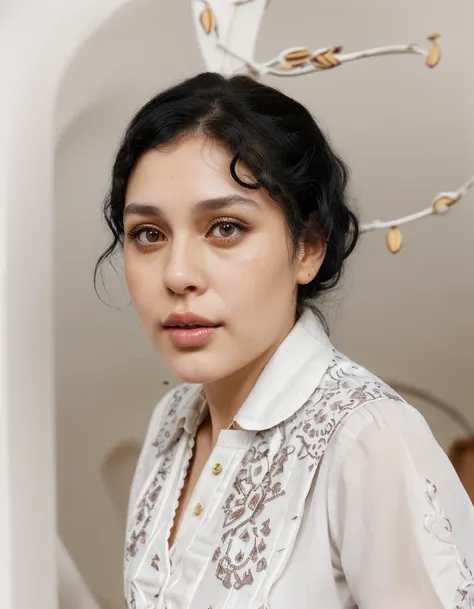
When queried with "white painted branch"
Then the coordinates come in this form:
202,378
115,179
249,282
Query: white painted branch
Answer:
440,205
379,224
222,26
274,69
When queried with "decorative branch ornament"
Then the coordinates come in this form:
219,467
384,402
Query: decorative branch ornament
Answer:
440,205
227,31
296,61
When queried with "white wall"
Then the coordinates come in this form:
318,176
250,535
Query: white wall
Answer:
37,42
407,133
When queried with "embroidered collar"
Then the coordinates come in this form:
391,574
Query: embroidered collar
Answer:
287,381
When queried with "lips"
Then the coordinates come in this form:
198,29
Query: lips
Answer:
188,321
189,330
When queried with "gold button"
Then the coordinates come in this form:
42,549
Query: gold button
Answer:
198,510
217,469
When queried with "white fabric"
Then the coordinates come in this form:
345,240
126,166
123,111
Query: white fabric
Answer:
334,496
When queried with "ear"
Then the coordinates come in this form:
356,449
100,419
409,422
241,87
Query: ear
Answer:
312,249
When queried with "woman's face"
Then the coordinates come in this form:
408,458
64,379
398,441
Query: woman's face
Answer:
197,243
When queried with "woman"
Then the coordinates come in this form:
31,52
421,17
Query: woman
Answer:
279,474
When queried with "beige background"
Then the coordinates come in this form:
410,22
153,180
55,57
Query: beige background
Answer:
407,133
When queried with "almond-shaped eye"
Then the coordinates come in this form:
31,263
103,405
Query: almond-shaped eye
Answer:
148,236
226,230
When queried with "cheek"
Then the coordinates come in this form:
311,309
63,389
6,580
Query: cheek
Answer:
141,287
258,276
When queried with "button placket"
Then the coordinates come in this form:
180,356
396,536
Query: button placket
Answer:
209,486
210,492
204,495
212,479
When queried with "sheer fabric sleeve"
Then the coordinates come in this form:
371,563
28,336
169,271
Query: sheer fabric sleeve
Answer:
402,522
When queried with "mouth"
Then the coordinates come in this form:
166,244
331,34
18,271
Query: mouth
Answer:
190,330
191,335
188,320
189,326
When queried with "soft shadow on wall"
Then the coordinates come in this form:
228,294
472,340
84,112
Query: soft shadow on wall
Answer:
117,475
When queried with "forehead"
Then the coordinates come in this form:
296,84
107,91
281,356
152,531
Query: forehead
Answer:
197,168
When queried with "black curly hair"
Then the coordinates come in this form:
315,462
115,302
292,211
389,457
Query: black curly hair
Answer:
274,136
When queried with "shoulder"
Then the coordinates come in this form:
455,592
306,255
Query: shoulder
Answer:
352,412
349,396
379,437
169,415
164,429
346,380
368,414
166,424
390,491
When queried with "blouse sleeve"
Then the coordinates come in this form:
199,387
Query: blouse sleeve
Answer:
403,524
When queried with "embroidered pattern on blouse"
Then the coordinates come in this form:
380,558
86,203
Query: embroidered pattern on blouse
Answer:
303,437
168,436
169,432
437,524
145,509
133,601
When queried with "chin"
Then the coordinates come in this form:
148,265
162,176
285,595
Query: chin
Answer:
189,374
197,367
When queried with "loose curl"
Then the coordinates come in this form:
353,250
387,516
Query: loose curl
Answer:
274,136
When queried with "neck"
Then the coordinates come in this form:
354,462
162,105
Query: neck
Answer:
226,396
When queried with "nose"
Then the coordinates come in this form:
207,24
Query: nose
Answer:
184,271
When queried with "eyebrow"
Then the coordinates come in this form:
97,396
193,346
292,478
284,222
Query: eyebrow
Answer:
207,205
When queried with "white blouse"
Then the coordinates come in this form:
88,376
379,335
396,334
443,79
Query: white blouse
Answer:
334,496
